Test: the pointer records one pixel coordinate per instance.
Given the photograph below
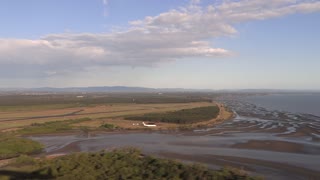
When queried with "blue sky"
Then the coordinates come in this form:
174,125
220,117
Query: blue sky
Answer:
168,43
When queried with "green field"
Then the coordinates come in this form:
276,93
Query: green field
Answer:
51,127
50,101
184,116
13,118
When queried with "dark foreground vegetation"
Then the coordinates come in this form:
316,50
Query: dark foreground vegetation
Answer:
119,164
11,146
184,116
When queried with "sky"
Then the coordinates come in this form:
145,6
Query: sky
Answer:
201,44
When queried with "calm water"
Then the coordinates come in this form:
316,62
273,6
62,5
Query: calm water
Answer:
298,103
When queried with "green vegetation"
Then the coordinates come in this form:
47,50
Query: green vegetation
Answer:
126,163
60,126
51,127
109,126
184,116
11,146
60,101
5,108
24,160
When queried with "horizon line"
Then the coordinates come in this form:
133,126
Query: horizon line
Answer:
160,88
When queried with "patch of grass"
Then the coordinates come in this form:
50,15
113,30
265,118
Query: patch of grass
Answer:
51,127
36,107
11,146
108,126
8,102
185,116
126,163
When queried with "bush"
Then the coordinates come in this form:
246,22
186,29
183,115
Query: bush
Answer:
24,160
14,146
126,163
109,126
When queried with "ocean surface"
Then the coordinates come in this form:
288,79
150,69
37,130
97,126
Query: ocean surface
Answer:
296,103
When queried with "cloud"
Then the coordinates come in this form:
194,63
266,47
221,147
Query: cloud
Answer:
177,34
246,10
195,1
105,2
105,7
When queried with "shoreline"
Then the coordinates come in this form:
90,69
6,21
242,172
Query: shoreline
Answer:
288,171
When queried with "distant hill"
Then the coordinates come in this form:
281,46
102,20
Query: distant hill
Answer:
96,89
102,89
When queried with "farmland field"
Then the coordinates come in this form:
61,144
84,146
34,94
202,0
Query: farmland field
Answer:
26,110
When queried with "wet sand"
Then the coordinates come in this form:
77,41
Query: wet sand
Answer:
279,146
196,147
271,170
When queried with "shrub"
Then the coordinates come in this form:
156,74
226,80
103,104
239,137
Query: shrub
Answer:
14,146
127,163
109,126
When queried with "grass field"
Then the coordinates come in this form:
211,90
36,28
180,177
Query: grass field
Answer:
15,102
100,113
51,113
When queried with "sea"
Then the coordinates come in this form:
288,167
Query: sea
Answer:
296,103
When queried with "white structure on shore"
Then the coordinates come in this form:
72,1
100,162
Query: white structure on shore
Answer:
149,124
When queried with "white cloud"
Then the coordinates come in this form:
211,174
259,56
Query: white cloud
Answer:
105,7
173,35
195,1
